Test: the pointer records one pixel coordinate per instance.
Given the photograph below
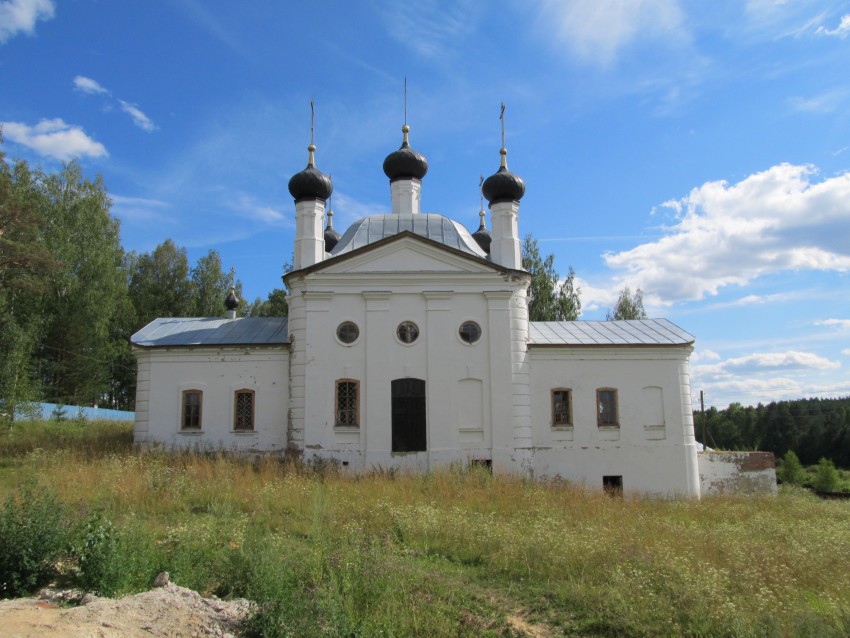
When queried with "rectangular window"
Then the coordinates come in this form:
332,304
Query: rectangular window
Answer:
348,403
606,402
243,419
562,408
192,401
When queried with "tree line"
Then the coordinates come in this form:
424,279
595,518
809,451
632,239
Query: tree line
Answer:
812,428
71,296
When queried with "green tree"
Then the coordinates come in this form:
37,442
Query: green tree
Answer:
159,283
273,306
826,476
210,286
790,469
85,293
25,266
629,306
548,300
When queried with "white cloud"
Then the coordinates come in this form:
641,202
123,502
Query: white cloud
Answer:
769,222
824,103
766,362
704,355
248,206
429,27
597,32
87,85
841,323
54,138
139,119
140,209
21,15
841,31
846,351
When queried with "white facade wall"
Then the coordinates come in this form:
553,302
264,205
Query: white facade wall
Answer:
218,373
468,388
653,449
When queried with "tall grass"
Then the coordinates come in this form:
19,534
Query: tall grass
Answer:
451,553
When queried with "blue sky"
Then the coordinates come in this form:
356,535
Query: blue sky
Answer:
697,150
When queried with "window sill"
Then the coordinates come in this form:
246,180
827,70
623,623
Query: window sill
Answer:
609,427
190,432
243,432
347,429
473,430
562,428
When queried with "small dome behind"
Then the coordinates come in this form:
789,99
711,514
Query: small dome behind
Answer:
331,236
232,301
482,236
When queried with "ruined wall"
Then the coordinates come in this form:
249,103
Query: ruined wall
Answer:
737,473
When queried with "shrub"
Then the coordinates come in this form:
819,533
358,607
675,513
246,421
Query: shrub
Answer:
826,476
33,532
98,554
790,470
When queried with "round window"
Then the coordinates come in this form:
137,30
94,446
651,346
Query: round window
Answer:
470,332
407,332
347,332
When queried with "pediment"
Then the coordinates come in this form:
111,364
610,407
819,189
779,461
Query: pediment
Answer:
405,253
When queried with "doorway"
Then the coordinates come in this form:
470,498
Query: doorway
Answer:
408,415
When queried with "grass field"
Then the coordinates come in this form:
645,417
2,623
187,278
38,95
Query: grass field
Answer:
449,554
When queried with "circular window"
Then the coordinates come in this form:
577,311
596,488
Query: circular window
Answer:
469,332
407,332
347,332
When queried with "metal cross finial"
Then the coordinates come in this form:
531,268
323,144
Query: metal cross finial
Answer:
233,276
502,117
312,120
481,190
405,99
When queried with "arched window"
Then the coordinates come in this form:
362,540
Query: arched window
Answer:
347,403
192,408
243,410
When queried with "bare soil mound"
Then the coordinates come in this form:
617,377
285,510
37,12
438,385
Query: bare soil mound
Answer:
171,611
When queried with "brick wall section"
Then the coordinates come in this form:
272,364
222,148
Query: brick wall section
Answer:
737,473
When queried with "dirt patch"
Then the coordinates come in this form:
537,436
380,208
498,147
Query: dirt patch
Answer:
170,611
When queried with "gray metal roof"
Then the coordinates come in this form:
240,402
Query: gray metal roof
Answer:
640,332
429,225
193,331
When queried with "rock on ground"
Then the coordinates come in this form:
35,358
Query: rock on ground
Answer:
171,611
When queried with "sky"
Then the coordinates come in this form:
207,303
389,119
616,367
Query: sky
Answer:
699,151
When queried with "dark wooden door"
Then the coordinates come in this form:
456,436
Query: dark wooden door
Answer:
408,416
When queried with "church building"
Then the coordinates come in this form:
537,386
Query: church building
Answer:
408,346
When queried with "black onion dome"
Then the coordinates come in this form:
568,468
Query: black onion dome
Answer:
331,236
405,163
311,183
503,186
232,301
482,236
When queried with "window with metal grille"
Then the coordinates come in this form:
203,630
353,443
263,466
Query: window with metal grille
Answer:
192,402
606,402
244,410
347,403
562,414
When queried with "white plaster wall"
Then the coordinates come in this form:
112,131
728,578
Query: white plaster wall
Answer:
653,448
218,372
460,387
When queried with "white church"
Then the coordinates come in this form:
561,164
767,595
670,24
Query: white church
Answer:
408,346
